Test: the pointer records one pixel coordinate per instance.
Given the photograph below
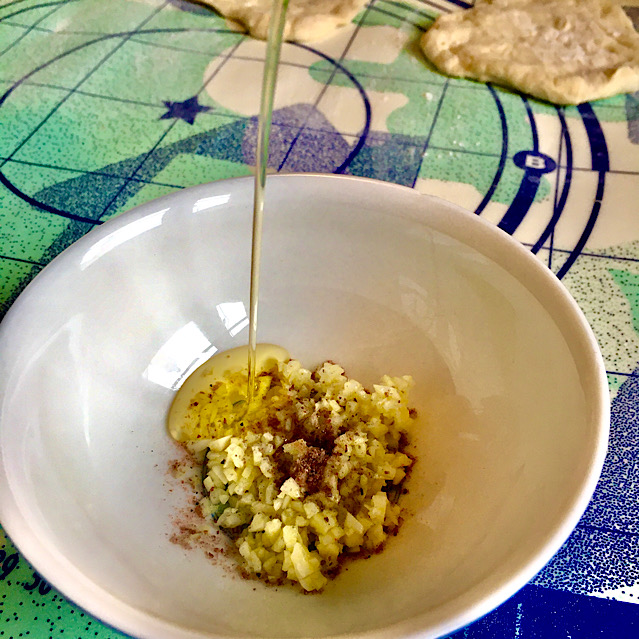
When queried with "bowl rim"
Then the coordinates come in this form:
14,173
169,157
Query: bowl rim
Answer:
449,219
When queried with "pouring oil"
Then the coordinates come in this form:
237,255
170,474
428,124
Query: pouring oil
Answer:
269,79
181,416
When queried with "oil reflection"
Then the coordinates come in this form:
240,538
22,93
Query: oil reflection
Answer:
233,316
182,353
121,235
205,203
189,347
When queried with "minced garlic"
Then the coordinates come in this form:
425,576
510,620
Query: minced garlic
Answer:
308,474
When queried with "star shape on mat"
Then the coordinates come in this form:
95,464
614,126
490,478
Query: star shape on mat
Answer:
186,110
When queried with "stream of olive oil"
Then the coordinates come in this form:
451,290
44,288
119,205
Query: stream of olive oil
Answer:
269,79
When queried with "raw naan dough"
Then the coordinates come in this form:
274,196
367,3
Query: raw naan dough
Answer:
563,51
306,20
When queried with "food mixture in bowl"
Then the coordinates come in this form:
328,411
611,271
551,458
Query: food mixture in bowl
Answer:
309,474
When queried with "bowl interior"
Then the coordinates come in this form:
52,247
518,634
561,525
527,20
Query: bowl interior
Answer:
510,393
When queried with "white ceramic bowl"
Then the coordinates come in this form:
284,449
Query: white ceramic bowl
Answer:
510,388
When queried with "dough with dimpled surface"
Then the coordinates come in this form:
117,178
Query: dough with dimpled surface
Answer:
306,20
563,51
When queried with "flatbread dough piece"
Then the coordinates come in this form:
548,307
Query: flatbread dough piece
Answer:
563,51
306,20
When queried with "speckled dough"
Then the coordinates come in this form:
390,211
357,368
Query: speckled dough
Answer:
563,51
306,20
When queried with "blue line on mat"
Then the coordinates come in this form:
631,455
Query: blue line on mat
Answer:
35,6
4,179
426,145
390,14
601,164
435,5
630,374
21,260
459,3
403,7
528,187
367,108
590,225
82,80
605,529
503,155
414,11
322,92
13,4
131,177
41,205
560,205
533,124
601,256
28,31
99,172
598,146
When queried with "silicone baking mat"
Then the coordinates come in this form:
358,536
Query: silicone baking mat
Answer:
105,105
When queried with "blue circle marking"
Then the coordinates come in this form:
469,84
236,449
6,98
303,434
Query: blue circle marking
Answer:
534,162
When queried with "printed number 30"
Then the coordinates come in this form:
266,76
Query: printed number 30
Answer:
39,583
7,565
